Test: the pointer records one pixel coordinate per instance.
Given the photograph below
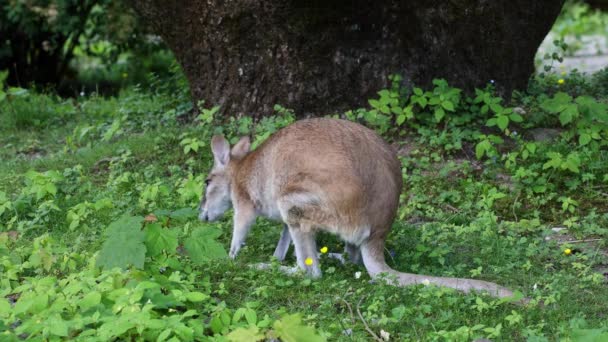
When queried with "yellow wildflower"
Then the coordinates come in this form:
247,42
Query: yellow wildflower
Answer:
324,249
308,261
561,81
567,251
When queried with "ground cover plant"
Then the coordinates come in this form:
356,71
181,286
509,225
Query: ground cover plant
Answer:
99,237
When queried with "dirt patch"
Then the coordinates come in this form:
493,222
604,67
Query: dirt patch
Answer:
590,246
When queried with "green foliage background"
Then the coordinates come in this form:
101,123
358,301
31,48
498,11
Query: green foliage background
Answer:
99,236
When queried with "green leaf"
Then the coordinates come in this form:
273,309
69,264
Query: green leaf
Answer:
5,308
584,139
124,244
196,297
90,300
439,114
418,91
422,101
57,326
448,105
163,335
516,117
374,103
557,103
502,122
568,114
291,329
245,335
481,148
572,162
496,108
589,335
202,246
159,239
554,162
400,120
183,214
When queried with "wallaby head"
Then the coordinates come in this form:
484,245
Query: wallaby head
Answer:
216,196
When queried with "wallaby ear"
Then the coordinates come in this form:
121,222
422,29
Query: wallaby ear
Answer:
241,148
221,150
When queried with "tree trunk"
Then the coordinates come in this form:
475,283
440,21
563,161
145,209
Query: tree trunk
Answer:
320,57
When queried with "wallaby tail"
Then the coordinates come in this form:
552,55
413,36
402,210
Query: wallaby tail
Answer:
373,258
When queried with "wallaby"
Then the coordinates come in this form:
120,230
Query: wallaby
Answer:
317,174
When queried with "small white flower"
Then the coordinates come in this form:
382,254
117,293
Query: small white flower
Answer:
82,93
357,275
385,335
535,286
492,81
426,282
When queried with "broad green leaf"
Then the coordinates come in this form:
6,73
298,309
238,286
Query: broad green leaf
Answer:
202,246
439,114
291,329
89,300
516,117
400,120
502,122
573,162
584,139
5,308
557,103
163,335
57,326
159,239
196,296
589,335
418,91
448,105
397,110
124,244
496,108
555,160
184,214
422,101
33,303
568,114
481,148
245,335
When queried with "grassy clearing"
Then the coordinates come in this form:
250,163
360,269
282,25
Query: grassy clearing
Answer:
480,200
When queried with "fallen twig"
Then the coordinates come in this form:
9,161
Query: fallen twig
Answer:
370,331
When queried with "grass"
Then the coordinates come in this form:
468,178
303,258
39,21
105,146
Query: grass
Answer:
460,216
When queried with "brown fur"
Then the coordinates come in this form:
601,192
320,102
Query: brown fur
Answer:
321,174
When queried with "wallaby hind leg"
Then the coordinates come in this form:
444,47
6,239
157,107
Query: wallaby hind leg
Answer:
283,245
306,248
354,253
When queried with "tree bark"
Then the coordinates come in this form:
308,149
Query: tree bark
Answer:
320,57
